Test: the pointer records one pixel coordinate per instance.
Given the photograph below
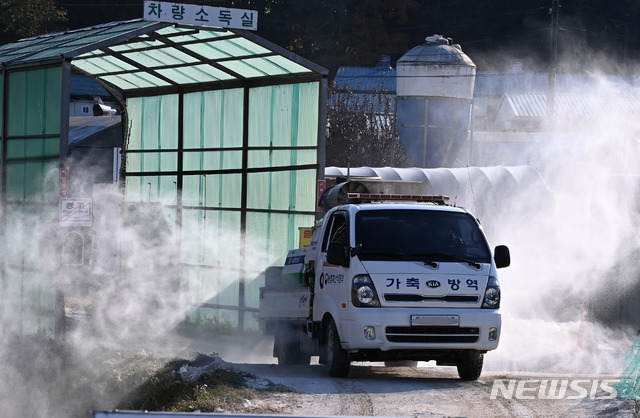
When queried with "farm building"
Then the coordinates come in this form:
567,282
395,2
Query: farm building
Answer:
205,156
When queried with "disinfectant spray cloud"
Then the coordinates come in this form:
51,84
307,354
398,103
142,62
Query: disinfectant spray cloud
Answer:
572,264
567,294
124,296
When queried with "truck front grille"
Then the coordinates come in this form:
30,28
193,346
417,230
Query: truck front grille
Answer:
433,334
408,297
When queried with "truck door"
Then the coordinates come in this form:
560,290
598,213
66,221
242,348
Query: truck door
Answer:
332,276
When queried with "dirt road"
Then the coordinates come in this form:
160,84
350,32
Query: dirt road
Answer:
424,391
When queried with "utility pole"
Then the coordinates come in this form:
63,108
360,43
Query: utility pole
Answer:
553,58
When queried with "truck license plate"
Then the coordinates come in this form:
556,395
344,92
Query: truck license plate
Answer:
435,320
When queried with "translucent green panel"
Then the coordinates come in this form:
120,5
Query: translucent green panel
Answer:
103,64
287,65
219,190
28,302
208,50
284,115
170,215
282,190
33,147
33,108
252,289
135,45
160,57
213,72
629,384
136,80
308,118
277,158
154,122
271,235
245,70
32,181
205,285
211,238
194,74
28,231
152,162
201,35
212,160
161,189
214,119
33,102
260,110
242,46
268,66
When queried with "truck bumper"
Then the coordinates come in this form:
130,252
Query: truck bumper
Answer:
417,329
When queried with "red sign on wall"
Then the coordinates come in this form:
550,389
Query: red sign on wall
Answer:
63,182
322,185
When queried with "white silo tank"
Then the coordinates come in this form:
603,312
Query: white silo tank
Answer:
434,100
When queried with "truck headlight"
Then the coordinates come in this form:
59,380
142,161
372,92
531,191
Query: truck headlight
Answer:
492,294
493,334
369,333
363,292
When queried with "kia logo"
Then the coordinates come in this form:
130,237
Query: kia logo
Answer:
433,284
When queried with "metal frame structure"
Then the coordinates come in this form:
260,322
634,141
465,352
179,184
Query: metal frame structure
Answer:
208,110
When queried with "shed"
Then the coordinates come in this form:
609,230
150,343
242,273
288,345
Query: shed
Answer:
223,130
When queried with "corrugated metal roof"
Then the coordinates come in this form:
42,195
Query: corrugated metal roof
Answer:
496,176
86,87
368,79
527,104
83,127
139,54
534,105
483,189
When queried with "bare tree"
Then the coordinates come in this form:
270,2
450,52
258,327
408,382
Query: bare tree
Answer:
361,130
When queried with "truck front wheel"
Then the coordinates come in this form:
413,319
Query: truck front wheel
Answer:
337,358
469,364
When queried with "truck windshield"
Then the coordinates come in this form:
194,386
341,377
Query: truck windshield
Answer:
424,235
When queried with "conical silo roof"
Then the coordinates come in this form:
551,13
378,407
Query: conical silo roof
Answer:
436,49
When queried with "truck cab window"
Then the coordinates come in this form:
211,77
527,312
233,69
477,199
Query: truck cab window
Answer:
386,233
337,232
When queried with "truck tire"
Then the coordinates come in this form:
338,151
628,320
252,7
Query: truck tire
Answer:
469,363
286,347
337,358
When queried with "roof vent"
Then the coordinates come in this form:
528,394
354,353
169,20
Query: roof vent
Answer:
384,61
437,39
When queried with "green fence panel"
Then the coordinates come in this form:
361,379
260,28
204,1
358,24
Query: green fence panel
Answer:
214,119
284,115
213,156
629,385
282,190
32,148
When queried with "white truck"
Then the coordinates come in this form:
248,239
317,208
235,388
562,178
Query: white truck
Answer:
387,278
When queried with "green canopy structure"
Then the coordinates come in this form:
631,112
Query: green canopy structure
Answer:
223,130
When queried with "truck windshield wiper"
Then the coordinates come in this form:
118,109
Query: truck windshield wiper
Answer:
454,257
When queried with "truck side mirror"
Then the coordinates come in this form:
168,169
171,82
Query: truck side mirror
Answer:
502,256
336,254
